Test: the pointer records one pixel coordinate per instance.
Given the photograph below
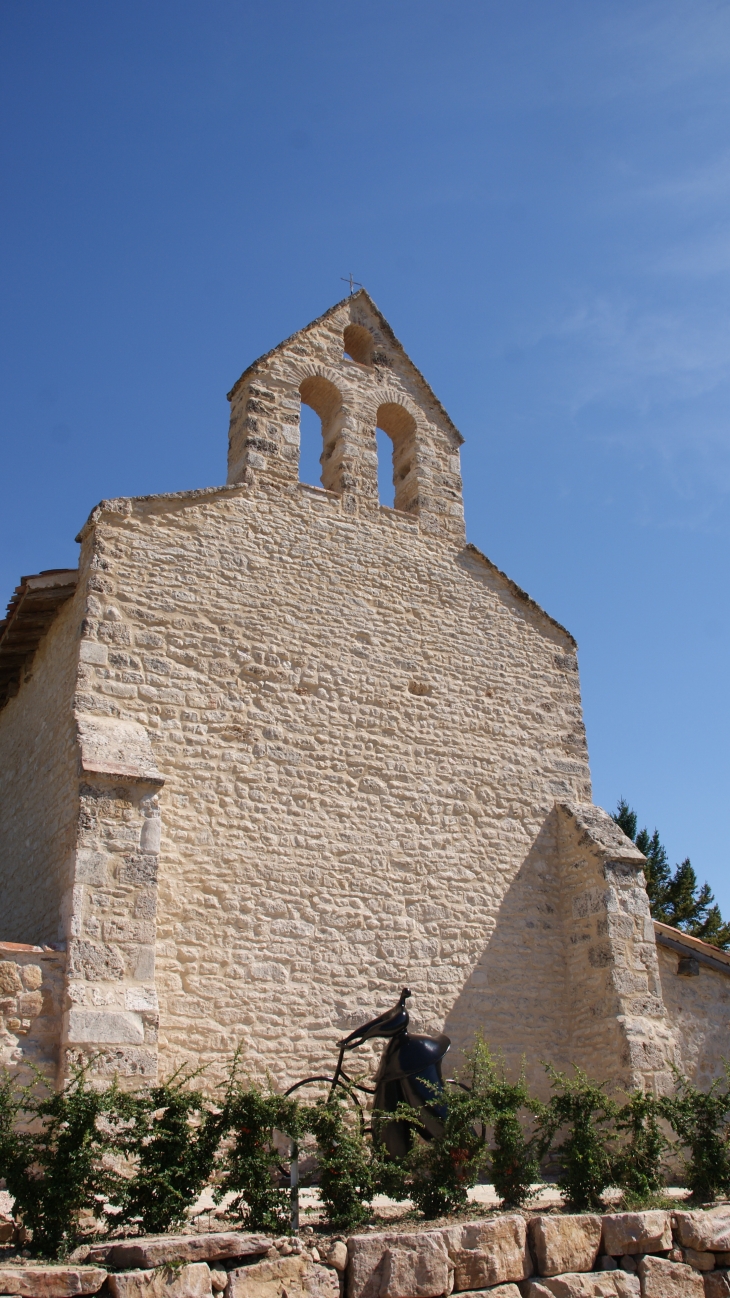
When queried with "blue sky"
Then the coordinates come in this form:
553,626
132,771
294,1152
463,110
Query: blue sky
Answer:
536,196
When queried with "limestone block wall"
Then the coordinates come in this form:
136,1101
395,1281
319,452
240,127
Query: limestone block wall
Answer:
698,1006
363,731
31,1004
39,787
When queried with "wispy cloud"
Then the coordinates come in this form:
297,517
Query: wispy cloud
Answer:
624,351
701,257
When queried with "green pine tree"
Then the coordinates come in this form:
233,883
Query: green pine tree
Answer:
675,898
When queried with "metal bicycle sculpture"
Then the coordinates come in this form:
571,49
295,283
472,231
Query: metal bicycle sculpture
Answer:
409,1072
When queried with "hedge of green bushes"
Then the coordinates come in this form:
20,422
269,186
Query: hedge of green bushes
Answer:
110,1161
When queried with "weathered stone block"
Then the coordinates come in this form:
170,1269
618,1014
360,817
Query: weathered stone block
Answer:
499,1291
636,1232
334,1253
627,1286
594,1284
160,1250
487,1253
95,961
51,1281
32,976
287,1277
380,1265
573,1285
115,1027
30,1004
569,1243
700,1261
707,1232
92,652
10,981
663,1279
191,1281
414,1272
717,1284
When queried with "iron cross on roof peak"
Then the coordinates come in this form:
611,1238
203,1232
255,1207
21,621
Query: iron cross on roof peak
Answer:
347,279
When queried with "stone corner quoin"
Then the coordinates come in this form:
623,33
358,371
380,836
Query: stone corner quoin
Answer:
275,751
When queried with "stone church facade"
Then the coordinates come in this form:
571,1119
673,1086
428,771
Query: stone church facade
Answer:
274,751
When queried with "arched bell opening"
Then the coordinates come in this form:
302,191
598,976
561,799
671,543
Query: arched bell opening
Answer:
400,427
325,400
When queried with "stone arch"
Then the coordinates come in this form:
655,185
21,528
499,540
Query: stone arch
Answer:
401,419
324,396
400,426
358,343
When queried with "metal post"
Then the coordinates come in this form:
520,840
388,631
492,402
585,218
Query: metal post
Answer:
294,1183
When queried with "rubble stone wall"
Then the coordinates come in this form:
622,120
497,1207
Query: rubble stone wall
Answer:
363,731
31,1003
699,1010
39,788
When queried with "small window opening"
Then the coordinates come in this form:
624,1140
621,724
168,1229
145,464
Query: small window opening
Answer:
358,344
310,447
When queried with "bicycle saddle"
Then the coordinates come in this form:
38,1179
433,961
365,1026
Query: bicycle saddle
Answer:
413,1054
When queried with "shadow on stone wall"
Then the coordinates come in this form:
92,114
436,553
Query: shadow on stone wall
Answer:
517,993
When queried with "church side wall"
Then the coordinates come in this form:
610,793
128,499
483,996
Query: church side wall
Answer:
698,1009
363,732
39,788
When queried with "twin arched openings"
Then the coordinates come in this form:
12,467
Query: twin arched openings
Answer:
322,449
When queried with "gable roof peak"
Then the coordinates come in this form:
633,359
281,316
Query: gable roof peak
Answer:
363,299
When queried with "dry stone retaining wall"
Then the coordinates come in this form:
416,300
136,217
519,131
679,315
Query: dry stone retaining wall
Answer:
619,1255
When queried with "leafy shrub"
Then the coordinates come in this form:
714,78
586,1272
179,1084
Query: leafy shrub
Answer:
700,1119
442,1171
172,1140
250,1162
346,1163
638,1164
585,1154
514,1161
54,1166
438,1173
